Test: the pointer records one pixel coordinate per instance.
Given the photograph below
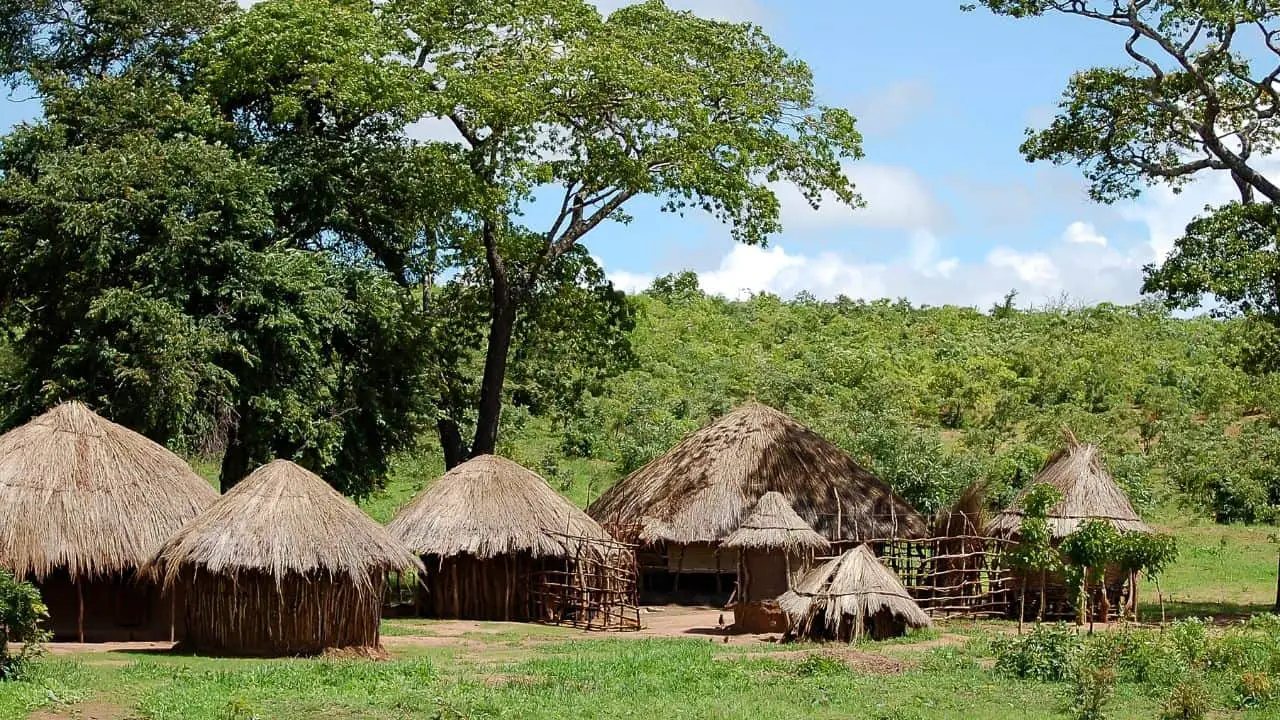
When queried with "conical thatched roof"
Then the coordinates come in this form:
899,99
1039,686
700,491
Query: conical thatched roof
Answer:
491,506
283,519
1088,493
701,490
80,492
847,590
774,525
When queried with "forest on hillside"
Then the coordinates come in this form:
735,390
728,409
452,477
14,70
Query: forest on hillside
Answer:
935,398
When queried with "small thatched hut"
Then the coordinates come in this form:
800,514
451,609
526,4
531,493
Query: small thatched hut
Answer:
500,544
1088,493
683,504
83,504
851,597
775,549
281,565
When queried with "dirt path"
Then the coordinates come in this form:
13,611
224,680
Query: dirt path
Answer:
91,710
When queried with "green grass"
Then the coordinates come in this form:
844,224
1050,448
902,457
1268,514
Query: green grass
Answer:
1221,570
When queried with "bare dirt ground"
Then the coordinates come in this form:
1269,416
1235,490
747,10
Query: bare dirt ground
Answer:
489,642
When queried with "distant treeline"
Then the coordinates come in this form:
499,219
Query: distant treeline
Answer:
934,399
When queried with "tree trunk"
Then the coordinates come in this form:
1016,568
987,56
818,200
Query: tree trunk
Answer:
235,461
501,331
455,451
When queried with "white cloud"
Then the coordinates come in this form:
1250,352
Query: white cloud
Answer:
1166,213
896,199
433,128
631,282
1083,233
889,108
731,10
1085,271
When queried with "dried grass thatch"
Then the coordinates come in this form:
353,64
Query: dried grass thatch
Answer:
489,507
839,598
774,525
89,497
1088,493
700,490
281,565
282,520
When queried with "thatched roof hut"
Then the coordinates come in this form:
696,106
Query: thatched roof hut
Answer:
775,548
84,503
849,597
1088,493
490,532
774,525
701,490
281,565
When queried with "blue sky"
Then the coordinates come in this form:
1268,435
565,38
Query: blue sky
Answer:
955,215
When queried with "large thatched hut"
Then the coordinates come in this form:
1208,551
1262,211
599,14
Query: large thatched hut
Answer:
775,549
83,504
1088,493
850,597
682,505
281,565
499,543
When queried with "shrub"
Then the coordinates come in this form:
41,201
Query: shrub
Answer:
1048,653
21,611
1091,689
1189,700
1253,689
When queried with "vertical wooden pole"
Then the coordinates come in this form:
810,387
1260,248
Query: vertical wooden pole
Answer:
453,572
80,616
173,609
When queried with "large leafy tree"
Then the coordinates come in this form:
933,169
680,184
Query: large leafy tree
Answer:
567,116
1200,93
143,273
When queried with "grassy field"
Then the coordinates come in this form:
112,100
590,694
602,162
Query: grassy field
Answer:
511,671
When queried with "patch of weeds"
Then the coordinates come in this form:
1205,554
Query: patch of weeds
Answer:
1253,690
1189,700
948,659
1048,653
819,665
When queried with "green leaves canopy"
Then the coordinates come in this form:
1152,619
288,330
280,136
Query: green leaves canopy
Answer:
1200,94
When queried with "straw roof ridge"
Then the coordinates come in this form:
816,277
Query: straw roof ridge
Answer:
283,519
1088,493
774,524
700,490
83,493
852,585
490,506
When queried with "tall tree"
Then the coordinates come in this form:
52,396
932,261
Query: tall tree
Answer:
568,116
1201,93
142,273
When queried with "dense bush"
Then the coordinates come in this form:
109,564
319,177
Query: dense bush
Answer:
1048,653
21,611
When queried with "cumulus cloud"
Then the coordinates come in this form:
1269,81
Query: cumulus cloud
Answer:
896,199
892,107
1083,233
1087,271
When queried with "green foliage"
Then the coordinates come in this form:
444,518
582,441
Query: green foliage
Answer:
1191,78
1034,551
21,612
1048,653
1092,687
1148,553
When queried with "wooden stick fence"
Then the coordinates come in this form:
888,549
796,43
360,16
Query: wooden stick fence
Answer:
595,589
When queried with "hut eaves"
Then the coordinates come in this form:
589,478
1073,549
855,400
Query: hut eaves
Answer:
774,525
